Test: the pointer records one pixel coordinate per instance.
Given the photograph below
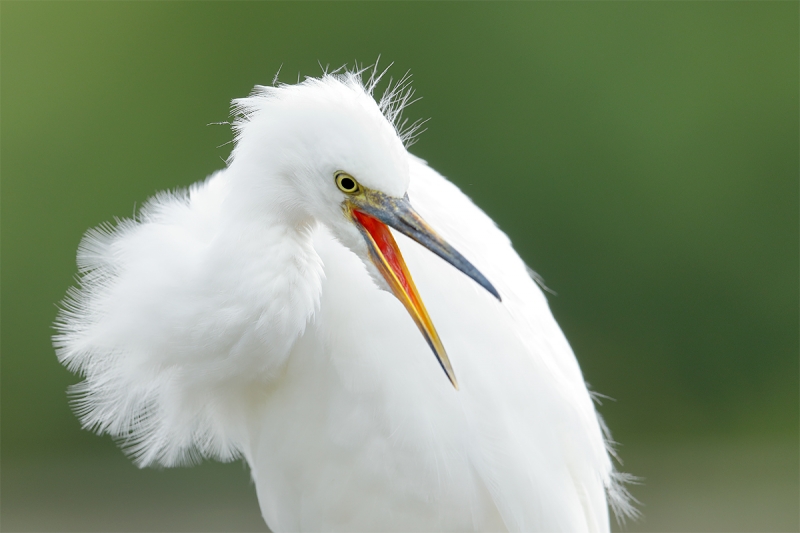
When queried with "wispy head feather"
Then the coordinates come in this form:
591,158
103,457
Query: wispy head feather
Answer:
392,102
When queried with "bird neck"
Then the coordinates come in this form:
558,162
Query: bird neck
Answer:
275,266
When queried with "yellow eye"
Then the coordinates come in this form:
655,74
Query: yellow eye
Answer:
346,183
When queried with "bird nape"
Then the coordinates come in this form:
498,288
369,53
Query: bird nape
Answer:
269,313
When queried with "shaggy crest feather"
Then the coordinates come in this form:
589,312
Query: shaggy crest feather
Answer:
395,99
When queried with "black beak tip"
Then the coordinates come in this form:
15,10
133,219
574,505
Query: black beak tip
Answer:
481,280
489,287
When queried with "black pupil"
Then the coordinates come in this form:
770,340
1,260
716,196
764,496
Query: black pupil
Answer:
348,184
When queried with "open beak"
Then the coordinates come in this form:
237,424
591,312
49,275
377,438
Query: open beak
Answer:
373,212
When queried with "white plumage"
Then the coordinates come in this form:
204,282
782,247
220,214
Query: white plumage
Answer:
244,317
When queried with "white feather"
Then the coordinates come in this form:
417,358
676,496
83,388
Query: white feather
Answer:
239,318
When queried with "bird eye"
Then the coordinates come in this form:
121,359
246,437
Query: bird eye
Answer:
346,183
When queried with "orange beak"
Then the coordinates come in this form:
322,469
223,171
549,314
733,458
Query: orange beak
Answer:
372,213
387,257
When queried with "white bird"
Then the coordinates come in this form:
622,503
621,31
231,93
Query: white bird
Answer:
268,313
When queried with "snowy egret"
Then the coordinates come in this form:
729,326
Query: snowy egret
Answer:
269,313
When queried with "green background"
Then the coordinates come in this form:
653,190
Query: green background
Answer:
643,157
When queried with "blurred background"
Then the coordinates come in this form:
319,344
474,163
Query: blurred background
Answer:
642,156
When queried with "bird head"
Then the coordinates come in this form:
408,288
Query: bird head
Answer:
325,151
